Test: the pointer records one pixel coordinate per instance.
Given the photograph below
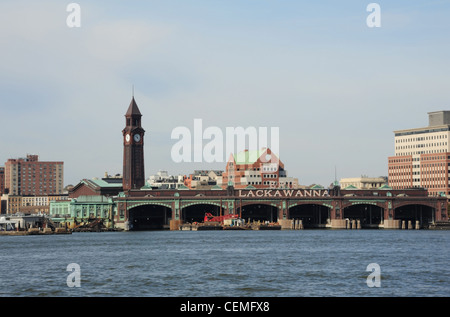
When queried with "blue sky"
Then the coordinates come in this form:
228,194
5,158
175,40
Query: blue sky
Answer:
335,87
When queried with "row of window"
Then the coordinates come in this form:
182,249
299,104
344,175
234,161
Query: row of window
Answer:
400,160
415,146
419,180
423,138
432,179
421,152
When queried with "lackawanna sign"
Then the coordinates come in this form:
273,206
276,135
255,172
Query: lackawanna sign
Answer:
284,193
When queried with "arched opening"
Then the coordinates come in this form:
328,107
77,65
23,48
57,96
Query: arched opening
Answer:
311,215
369,216
149,217
415,212
259,212
196,212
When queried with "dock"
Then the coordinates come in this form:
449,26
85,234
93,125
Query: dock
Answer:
440,225
220,226
35,231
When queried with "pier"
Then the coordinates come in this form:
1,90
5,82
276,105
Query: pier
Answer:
35,231
291,209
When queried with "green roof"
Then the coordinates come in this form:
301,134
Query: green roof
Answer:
385,187
317,187
248,157
102,183
92,199
250,187
350,187
146,186
216,187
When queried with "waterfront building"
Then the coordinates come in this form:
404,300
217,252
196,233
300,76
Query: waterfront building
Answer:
108,186
39,204
251,189
82,208
29,176
14,204
363,182
422,156
259,169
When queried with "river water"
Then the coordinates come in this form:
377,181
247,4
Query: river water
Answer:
227,263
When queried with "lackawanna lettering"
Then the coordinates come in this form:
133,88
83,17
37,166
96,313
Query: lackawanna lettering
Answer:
285,193
197,307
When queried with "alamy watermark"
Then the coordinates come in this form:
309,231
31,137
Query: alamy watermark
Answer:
74,18
191,148
74,278
374,278
374,18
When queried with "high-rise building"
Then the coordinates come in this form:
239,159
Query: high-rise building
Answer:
422,156
29,176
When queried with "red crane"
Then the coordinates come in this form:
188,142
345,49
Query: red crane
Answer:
209,217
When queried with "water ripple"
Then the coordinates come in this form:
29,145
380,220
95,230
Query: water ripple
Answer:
248,263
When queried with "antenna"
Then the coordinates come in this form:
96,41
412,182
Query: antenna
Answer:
335,174
132,91
335,177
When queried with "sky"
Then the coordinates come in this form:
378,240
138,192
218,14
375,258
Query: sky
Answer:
335,88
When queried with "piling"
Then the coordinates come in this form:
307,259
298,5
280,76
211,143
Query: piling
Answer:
403,224
417,225
358,224
410,224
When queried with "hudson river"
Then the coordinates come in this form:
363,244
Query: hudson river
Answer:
228,263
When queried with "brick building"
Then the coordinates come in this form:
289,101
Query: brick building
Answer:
31,177
259,169
97,187
2,180
422,156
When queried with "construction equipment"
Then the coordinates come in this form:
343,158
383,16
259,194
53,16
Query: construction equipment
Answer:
93,225
210,218
49,223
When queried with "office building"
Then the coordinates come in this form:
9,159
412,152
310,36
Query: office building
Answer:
422,156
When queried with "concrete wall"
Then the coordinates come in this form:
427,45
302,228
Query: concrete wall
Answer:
438,118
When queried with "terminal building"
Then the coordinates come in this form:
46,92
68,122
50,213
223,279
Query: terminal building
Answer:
252,188
422,156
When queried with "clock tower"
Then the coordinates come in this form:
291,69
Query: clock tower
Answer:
133,149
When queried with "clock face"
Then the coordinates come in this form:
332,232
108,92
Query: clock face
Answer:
127,138
137,137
